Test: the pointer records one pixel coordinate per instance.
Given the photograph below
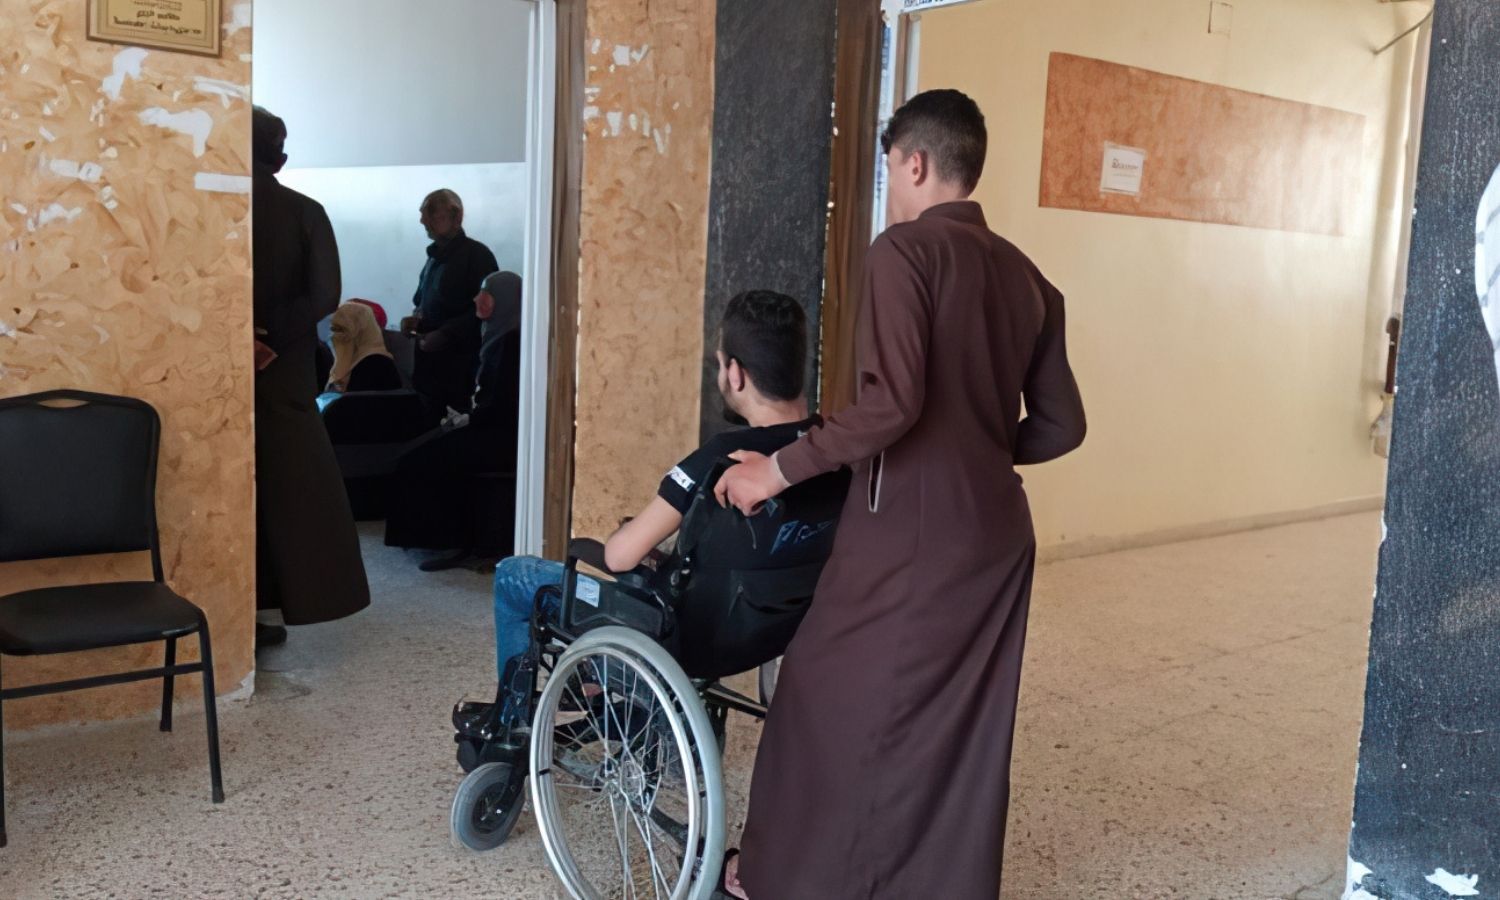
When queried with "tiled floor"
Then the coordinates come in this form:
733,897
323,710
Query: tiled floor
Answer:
1188,728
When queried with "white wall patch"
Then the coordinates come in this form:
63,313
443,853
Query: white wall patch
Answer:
1455,885
1487,262
224,90
219,183
1353,875
127,64
194,123
240,19
57,212
67,168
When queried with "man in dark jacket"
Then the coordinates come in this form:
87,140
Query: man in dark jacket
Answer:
444,323
307,551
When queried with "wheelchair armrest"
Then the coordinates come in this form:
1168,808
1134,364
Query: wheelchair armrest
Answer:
591,551
627,601
588,550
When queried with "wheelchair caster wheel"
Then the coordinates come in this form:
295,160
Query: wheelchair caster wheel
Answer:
486,807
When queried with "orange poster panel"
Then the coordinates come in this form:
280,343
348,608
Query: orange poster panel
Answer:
1211,153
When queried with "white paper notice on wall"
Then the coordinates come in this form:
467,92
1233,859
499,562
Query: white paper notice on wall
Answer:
913,6
1220,17
1123,170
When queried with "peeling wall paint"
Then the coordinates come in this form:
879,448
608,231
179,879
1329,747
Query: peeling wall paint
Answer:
643,233
118,274
127,64
1455,885
195,123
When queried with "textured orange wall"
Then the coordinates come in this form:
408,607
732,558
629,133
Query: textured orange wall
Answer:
120,273
644,224
1213,153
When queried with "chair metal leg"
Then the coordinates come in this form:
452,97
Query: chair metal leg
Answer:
211,713
166,686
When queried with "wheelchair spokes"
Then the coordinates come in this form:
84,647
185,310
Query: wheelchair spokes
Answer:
617,790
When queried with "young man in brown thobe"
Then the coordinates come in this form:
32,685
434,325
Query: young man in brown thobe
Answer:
884,769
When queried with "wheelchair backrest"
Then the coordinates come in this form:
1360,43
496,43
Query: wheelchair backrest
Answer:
791,533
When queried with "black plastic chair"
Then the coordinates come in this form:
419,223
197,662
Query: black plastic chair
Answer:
77,478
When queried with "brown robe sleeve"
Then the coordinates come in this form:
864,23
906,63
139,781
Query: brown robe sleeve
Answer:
892,377
1054,423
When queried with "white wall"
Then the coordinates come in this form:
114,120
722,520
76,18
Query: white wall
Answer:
382,246
386,101
395,82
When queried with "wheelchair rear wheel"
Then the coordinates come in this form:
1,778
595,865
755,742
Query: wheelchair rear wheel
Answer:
628,791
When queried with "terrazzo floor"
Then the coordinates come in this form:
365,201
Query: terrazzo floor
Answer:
1188,728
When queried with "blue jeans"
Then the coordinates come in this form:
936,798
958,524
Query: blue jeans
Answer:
517,581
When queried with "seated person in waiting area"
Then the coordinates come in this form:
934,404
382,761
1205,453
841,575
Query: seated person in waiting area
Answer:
762,364
361,361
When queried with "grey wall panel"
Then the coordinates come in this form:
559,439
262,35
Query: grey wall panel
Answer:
1428,792
773,131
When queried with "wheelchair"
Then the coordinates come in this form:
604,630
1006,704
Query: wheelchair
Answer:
623,752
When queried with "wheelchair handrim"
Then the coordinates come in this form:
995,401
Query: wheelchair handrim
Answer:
702,778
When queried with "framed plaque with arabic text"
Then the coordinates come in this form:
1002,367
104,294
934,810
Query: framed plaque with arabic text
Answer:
187,26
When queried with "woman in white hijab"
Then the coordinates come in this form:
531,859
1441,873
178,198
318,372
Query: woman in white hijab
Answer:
361,361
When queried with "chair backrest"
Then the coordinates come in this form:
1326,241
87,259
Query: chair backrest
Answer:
374,417
77,476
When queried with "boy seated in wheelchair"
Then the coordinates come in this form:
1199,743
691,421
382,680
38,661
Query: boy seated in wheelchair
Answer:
762,365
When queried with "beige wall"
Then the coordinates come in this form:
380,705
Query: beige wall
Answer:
644,236
1230,373
118,274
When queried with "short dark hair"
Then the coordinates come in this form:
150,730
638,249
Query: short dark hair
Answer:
267,138
766,333
946,125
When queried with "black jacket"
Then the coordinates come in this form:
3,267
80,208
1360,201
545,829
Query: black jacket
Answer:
296,266
445,304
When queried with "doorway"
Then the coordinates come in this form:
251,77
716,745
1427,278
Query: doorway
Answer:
382,109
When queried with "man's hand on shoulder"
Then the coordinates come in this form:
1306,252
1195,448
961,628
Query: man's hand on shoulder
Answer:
750,484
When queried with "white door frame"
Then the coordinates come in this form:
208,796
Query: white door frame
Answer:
902,38
536,280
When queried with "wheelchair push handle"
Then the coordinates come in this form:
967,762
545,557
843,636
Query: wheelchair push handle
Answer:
721,465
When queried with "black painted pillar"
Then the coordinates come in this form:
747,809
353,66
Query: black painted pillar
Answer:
773,131
1427,802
